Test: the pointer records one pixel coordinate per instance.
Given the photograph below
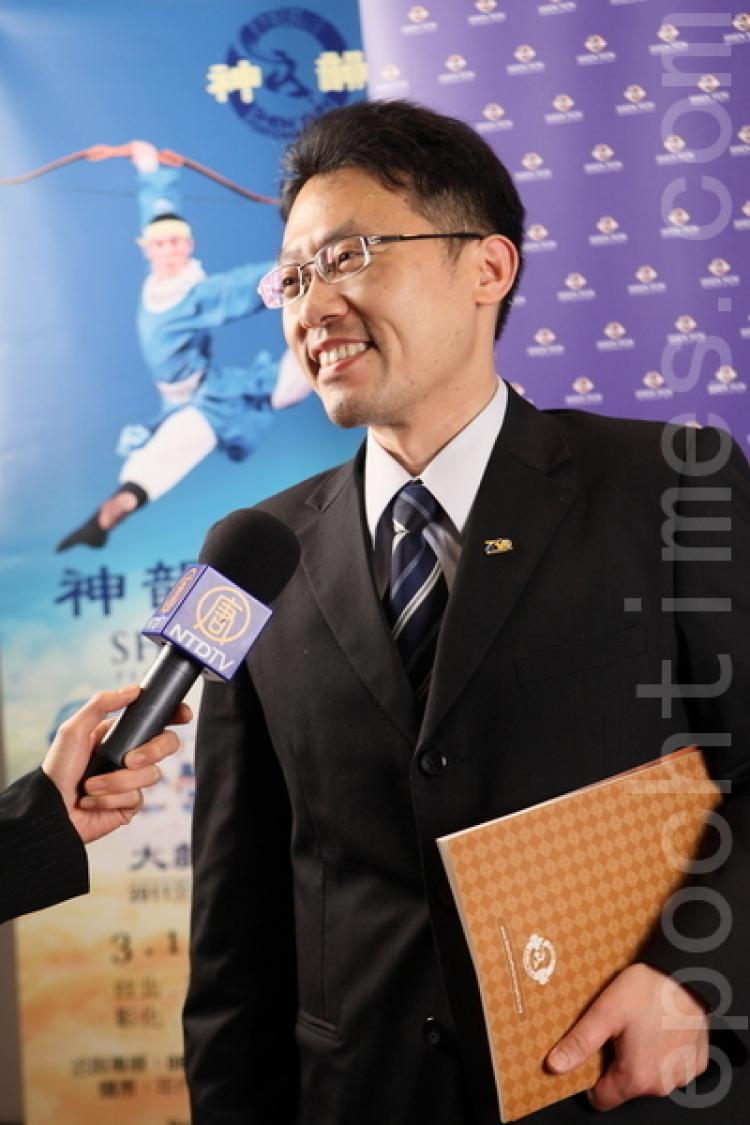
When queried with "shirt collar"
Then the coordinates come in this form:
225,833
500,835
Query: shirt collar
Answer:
454,474
166,292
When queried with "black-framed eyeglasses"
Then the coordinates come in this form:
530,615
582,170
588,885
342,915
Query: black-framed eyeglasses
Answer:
337,261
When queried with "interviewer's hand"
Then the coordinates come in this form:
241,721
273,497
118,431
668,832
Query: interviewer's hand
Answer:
111,799
659,1032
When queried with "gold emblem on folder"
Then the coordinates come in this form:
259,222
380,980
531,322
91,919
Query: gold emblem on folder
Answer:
497,546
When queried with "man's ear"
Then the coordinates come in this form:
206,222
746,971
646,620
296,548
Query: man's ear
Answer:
498,266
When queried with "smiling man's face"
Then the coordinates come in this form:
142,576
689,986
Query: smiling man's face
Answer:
390,346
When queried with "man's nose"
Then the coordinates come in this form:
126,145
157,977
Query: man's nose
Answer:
322,301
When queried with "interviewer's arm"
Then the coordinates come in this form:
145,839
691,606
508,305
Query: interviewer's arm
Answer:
45,820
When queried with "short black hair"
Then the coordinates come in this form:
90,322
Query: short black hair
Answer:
451,174
163,216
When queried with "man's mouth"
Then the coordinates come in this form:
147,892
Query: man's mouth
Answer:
328,356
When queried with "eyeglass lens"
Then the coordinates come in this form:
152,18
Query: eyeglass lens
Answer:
335,261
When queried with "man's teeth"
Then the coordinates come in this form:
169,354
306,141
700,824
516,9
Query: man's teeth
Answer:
342,351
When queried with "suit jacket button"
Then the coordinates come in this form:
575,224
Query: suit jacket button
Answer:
432,1031
432,762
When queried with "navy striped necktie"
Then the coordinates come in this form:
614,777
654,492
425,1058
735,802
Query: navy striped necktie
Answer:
417,592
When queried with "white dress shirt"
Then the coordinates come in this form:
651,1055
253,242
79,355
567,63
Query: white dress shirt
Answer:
453,477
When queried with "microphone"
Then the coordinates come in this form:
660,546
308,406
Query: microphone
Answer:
206,624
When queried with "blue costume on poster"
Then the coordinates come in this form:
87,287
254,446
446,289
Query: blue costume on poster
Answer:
204,405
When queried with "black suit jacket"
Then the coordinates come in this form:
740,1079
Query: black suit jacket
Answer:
325,945
42,857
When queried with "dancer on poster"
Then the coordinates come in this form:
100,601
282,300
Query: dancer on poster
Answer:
204,405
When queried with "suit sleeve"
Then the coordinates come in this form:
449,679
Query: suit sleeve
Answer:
42,857
706,938
241,1006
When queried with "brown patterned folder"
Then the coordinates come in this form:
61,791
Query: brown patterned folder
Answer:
557,898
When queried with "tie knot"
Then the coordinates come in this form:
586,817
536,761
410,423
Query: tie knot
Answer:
415,507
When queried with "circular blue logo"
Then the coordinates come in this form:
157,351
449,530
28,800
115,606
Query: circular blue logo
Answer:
285,44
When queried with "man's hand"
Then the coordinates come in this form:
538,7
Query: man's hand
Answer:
111,799
659,1031
144,156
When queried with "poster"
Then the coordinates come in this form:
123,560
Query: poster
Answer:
93,361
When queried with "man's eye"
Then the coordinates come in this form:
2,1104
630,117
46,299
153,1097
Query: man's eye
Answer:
347,259
289,281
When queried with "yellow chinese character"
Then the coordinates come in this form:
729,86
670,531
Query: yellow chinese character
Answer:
339,72
243,78
222,617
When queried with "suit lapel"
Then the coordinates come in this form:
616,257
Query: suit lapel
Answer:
336,557
519,500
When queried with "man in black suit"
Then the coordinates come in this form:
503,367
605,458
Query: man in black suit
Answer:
46,818
593,573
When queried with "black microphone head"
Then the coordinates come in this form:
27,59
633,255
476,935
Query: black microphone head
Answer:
253,549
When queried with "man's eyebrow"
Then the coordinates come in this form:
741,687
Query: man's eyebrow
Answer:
292,255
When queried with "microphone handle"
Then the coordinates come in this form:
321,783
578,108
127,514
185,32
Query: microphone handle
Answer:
166,683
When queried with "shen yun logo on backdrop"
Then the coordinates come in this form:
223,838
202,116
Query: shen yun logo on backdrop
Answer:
290,65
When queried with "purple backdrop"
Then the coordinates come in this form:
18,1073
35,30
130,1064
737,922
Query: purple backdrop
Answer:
627,128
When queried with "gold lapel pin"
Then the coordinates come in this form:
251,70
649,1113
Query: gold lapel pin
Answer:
497,546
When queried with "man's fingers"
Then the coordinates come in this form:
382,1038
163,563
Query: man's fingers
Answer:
183,714
155,750
618,1084
100,730
101,704
153,753
126,800
127,814
121,781
591,1032
646,1075
652,1057
615,1087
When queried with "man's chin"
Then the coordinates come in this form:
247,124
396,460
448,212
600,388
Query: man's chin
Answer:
347,419
345,413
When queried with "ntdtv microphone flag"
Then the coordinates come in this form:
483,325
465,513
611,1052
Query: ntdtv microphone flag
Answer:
210,619
206,624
